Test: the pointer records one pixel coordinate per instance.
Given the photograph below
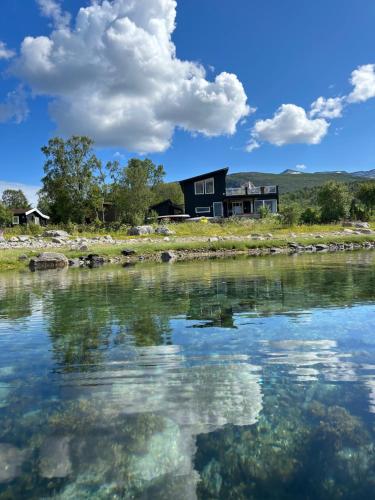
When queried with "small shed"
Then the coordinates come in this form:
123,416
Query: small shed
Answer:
22,216
167,207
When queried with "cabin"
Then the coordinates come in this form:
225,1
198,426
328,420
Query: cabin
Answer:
207,195
167,207
23,216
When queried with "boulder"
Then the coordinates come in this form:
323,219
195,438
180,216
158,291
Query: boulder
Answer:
11,460
55,233
164,230
75,262
55,458
95,260
23,238
359,224
140,230
213,239
22,257
48,260
168,256
59,241
320,247
127,252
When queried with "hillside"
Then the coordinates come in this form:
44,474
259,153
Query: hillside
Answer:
289,183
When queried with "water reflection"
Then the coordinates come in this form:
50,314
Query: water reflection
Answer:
221,379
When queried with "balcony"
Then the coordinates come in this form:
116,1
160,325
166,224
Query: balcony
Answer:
243,191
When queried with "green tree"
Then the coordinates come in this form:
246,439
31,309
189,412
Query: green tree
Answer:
73,185
15,198
132,188
334,200
366,195
290,214
5,216
310,216
170,190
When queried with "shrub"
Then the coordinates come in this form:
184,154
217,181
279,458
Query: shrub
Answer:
264,212
310,216
290,214
334,200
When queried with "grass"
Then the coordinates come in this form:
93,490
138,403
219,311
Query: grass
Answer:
9,259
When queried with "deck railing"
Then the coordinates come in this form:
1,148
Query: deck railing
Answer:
242,191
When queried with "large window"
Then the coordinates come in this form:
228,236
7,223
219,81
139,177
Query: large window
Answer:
237,207
270,204
16,219
205,187
202,210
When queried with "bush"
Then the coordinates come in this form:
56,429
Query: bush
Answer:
290,214
5,216
264,212
310,216
334,200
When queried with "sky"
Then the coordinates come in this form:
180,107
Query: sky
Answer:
254,85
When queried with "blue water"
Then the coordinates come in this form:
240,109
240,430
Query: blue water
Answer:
240,379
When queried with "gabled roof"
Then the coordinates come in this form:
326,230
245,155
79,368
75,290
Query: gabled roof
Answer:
28,211
204,176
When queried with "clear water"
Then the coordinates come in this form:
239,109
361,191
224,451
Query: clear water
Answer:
232,379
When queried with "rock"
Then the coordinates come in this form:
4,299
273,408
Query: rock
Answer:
140,230
320,247
166,239
366,231
11,460
348,231
168,256
127,252
83,248
48,260
319,236
59,241
359,224
75,262
275,250
55,458
55,233
13,239
23,238
213,239
95,260
164,230
23,257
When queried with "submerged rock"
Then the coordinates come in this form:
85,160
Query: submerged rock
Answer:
55,457
11,460
48,260
4,393
168,256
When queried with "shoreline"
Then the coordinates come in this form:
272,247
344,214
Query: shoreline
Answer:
169,251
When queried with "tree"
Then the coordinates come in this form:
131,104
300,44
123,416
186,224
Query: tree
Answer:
15,198
366,195
164,191
5,216
310,216
334,200
132,188
73,185
290,214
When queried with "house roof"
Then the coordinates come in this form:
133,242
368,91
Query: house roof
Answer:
28,211
168,201
204,176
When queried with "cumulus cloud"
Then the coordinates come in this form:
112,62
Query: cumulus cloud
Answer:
301,166
290,125
5,53
14,107
363,81
327,108
53,10
115,76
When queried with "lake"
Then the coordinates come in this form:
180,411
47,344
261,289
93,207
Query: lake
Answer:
247,378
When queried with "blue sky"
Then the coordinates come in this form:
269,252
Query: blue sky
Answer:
277,53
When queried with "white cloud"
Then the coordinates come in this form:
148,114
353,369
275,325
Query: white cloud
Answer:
363,81
301,166
115,77
53,10
29,190
327,108
290,125
14,107
5,53
252,145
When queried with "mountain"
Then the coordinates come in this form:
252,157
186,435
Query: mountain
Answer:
368,174
290,183
291,172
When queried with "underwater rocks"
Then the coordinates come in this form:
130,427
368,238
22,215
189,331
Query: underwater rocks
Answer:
48,260
55,457
11,460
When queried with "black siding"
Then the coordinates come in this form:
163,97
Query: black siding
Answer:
192,201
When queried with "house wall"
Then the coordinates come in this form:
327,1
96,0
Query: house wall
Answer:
192,201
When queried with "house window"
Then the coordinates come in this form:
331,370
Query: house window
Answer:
270,204
16,219
202,210
199,187
205,187
237,208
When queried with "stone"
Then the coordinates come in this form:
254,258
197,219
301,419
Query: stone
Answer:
55,233
168,256
83,248
95,260
366,231
140,230
59,241
22,257
164,230
55,458
11,460
75,262
48,260
23,238
213,239
320,247
14,239
275,250
166,238
127,252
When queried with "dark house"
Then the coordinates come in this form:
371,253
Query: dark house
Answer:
208,196
22,216
167,207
